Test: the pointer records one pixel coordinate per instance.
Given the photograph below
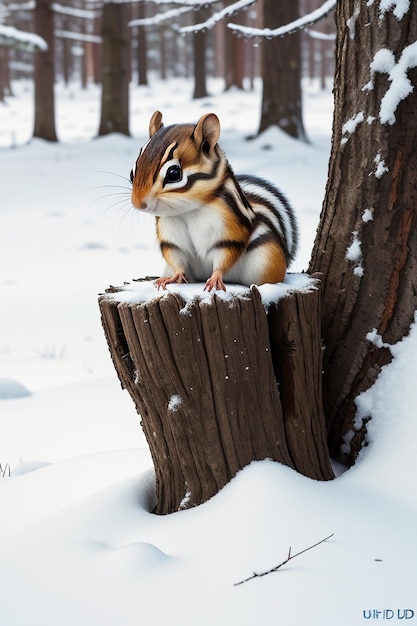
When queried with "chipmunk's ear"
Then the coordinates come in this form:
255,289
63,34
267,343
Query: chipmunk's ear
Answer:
207,132
155,123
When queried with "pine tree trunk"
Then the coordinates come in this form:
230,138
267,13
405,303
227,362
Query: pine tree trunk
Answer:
115,70
199,55
202,378
281,73
3,66
142,47
366,244
44,125
235,60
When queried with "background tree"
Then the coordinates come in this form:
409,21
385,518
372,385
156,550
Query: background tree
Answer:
115,70
281,95
234,60
142,58
199,55
5,87
366,244
44,125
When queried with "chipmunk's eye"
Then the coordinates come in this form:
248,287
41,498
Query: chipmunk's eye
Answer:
173,174
132,176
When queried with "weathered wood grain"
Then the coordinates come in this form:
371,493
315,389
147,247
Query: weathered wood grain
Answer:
202,378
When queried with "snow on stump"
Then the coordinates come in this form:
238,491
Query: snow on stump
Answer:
220,380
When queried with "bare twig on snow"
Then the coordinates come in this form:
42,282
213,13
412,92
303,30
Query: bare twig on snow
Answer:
289,558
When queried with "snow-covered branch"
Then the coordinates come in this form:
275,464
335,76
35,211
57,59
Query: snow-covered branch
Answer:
21,6
219,16
70,34
57,8
13,38
63,10
185,3
159,18
292,27
315,34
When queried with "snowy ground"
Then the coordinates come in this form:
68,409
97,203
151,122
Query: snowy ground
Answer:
78,543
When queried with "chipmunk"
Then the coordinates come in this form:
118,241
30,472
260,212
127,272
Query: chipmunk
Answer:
209,222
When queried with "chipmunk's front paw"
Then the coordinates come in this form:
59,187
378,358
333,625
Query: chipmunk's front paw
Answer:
178,277
215,281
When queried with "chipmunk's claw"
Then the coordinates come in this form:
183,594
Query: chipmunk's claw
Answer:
215,282
177,277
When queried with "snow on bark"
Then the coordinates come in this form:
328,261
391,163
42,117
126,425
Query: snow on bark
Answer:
383,62
381,168
174,403
400,7
400,85
376,339
351,22
354,254
368,215
350,126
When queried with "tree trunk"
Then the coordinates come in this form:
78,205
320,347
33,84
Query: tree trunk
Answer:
97,52
67,61
199,55
235,60
366,244
281,98
44,125
3,70
115,70
202,378
142,49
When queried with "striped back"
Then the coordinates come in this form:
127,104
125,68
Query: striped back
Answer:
273,214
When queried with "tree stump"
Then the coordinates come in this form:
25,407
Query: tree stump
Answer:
219,382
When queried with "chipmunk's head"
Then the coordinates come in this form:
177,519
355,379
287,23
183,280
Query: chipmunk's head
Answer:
177,169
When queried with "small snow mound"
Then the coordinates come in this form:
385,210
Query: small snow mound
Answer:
10,389
141,554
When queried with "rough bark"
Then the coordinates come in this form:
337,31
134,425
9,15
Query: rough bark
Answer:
115,70
202,378
370,202
44,124
281,73
295,336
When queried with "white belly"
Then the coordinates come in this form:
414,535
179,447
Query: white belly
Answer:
195,233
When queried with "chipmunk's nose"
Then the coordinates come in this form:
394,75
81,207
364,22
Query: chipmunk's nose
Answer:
137,202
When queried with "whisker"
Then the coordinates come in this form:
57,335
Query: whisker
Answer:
121,204
111,187
126,178
111,195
